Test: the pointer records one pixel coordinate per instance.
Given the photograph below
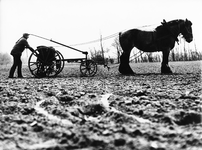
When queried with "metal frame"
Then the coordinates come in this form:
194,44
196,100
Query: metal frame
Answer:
40,65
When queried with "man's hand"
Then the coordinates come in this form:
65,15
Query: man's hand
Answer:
31,49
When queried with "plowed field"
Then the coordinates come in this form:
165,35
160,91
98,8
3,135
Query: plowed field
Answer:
147,111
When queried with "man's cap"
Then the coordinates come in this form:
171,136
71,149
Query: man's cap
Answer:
25,34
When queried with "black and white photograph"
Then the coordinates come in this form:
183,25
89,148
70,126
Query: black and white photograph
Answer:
100,75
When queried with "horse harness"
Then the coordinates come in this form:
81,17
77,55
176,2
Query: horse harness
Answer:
164,23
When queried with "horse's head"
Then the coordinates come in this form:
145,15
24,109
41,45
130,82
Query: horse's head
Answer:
186,30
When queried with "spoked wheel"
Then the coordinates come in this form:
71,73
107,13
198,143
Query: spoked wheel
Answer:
88,68
59,62
45,62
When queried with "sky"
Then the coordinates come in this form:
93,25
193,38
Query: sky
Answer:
78,21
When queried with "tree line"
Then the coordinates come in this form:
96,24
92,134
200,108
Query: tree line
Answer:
5,59
179,53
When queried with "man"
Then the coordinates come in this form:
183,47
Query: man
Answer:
16,52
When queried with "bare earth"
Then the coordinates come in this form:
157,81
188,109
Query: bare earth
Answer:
148,111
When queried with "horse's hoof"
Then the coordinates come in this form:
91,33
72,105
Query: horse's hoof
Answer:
166,72
128,73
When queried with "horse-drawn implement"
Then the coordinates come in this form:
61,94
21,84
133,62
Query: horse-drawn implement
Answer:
48,62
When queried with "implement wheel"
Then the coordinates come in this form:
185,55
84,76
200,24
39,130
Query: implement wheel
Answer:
45,62
59,61
88,68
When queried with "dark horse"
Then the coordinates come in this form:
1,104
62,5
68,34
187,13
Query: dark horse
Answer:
163,39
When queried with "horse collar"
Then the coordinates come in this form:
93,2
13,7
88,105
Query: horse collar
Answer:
164,23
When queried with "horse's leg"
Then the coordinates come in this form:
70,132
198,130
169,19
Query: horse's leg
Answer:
126,43
124,67
165,69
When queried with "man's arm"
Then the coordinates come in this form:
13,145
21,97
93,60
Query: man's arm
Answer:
29,47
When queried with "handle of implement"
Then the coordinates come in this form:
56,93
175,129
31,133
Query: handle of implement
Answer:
84,52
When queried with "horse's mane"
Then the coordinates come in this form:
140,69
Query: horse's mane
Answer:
170,23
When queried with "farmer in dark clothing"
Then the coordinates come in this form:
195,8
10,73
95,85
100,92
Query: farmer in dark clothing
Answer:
16,52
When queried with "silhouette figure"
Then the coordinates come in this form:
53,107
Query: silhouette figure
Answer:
16,52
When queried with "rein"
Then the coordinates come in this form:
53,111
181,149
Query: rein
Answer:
140,53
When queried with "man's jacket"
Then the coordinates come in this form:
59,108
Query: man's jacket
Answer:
20,46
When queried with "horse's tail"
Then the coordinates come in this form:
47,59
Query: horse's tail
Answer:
120,33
